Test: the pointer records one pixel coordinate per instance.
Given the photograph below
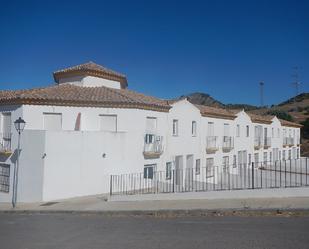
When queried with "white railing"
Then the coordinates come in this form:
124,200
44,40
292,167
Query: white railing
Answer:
211,144
288,141
227,143
5,142
153,144
258,142
267,142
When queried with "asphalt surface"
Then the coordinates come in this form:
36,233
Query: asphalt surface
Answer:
93,231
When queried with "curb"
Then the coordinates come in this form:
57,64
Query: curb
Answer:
172,213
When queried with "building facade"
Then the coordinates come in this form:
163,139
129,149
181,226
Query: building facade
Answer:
88,126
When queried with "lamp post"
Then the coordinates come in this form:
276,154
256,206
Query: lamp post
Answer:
19,126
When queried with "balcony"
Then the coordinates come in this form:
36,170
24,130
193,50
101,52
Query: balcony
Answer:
227,144
267,142
153,147
258,143
288,141
5,143
211,144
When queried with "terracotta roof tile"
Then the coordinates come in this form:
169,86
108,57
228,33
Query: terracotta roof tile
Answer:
93,69
263,119
215,112
290,124
67,94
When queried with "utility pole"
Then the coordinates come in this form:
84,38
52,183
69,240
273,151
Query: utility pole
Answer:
296,81
262,93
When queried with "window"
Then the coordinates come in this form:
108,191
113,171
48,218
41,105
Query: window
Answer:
108,123
270,156
289,155
209,167
226,130
294,153
278,132
297,153
238,130
256,159
168,172
272,132
210,130
265,158
175,127
283,155
52,121
149,171
247,131
193,128
279,155
225,163
149,139
197,166
4,178
6,123
234,161
151,125
249,159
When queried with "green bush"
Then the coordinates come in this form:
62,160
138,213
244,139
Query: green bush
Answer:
305,129
281,114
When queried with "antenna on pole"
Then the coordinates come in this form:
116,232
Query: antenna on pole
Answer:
262,93
296,81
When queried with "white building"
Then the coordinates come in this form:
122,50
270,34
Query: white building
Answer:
88,125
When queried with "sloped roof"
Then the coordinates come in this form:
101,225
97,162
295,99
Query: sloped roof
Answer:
262,119
289,123
92,69
71,95
215,112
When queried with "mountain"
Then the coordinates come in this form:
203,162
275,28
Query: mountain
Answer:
202,99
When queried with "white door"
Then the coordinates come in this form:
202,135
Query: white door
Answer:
178,172
189,172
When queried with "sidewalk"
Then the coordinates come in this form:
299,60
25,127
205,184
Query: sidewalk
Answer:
100,204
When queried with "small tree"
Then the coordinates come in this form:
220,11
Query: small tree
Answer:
305,129
281,114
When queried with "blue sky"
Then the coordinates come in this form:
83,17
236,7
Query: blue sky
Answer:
166,48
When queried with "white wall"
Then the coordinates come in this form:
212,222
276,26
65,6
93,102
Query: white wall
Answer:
82,162
90,81
74,163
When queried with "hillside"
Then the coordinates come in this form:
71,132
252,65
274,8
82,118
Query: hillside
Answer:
202,99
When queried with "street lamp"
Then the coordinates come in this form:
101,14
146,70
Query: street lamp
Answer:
19,126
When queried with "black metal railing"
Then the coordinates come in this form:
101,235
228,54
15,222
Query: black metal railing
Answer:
279,174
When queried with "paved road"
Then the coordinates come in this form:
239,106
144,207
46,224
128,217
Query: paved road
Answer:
83,231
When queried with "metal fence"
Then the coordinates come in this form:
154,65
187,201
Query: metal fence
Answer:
278,174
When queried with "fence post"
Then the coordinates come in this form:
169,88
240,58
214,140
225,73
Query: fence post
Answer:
252,175
173,177
111,186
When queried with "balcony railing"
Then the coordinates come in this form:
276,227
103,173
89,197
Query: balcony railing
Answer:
288,141
153,147
258,143
211,144
227,144
267,142
5,143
